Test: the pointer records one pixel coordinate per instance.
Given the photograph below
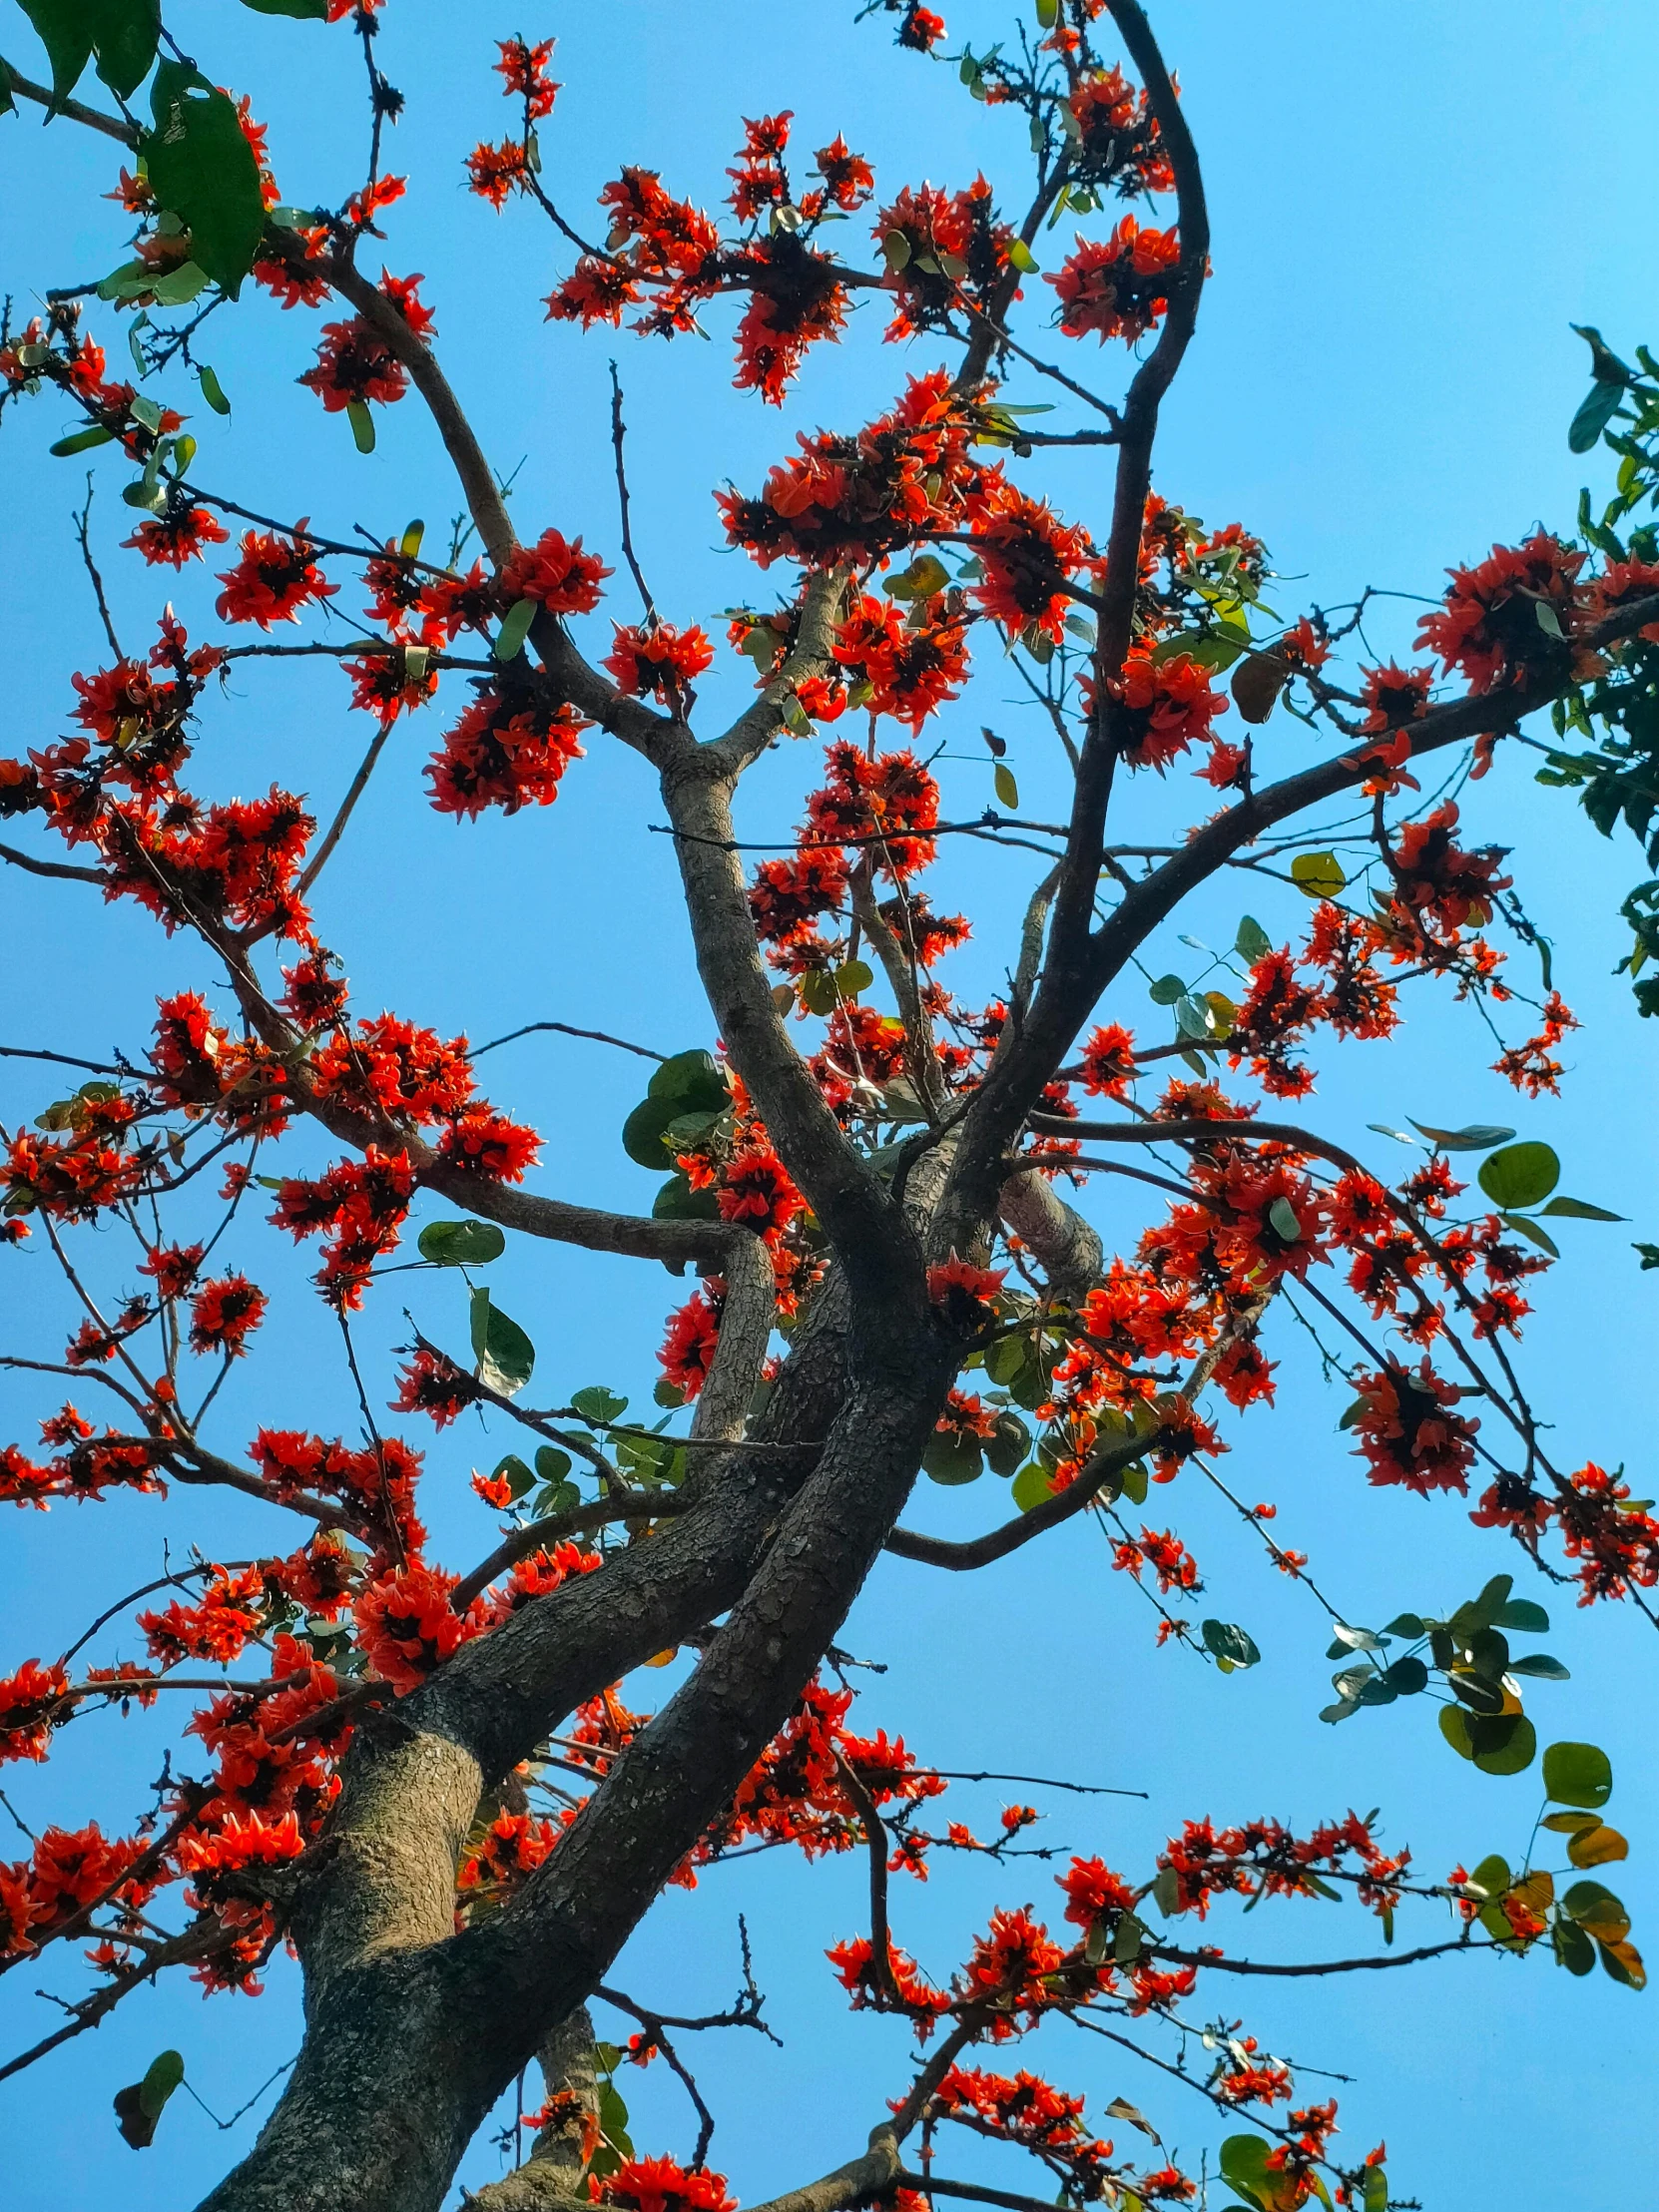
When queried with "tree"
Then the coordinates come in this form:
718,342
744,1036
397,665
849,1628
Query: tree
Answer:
428,1782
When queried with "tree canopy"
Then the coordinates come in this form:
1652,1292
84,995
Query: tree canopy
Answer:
1042,1237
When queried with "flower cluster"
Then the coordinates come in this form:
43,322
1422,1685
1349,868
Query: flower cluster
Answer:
1118,288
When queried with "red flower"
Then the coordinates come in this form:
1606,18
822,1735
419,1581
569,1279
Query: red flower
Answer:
495,172
658,660
525,69
176,536
31,1701
487,1143
756,1190
1162,708
1093,1892
787,897
965,1293
1432,877
556,572
1108,1063
847,177
385,684
504,751
662,2185
355,363
274,578
1409,1433
688,1348
1395,695
906,669
1118,288
1027,554
1509,615
173,1268
433,1384
1530,1066
406,1625
224,1314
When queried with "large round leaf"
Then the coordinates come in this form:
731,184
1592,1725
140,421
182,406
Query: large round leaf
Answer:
1578,1773
694,1081
952,1459
641,1132
1520,1175
460,1244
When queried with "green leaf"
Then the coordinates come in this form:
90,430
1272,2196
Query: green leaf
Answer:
1573,1949
852,977
552,1465
1282,1215
1491,1877
1404,1624
641,1132
1578,1773
125,35
1605,365
161,2077
1520,1175
1375,2198
1478,1137
506,1357
515,628
677,1200
64,28
1032,1485
1522,1613
1406,1676
1244,2166
460,1244
1595,1907
1540,1665
1022,258
316,11
8,106
1166,990
1007,1445
1535,1232
203,171
1502,1743
362,438
597,1405
1318,874
1579,1209
409,543
952,1459
1600,404
925,575
140,2106
520,1481
1230,1643
1251,942
1007,791
80,441
694,1081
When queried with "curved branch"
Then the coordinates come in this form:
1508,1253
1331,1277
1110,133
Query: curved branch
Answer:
111,125
1213,1962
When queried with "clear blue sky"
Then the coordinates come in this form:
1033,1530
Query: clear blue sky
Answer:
1411,205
